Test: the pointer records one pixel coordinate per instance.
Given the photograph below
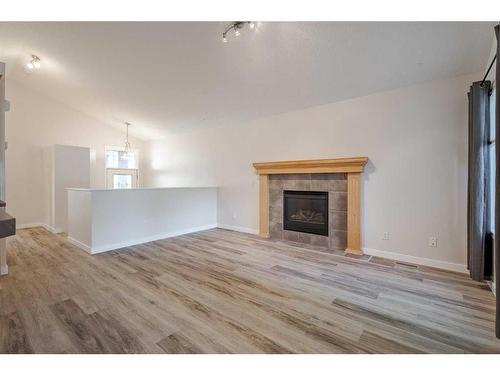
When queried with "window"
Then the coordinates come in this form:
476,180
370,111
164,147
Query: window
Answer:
117,158
121,168
122,181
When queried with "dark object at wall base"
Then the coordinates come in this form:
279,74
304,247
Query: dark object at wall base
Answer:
7,224
488,256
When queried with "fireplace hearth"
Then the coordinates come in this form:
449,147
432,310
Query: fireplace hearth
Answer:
305,211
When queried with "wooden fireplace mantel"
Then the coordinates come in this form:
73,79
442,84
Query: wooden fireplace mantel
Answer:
342,165
352,166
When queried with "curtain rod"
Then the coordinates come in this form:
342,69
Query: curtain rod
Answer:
488,71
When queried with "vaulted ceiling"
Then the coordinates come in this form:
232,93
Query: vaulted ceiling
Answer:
171,76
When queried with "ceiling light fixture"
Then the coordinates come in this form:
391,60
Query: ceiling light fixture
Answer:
236,28
128,154
34,63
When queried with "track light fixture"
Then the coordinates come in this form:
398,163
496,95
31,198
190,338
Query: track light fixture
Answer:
34,63
236,28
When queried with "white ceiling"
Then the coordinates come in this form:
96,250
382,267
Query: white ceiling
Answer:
171,76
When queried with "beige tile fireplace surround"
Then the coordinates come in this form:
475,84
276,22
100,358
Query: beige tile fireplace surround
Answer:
341,178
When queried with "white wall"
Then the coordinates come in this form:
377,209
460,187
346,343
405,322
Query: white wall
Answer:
102,220
35,122
80,218
71,168
414,186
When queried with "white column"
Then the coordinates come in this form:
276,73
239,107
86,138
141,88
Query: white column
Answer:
2,131
4,268
3,250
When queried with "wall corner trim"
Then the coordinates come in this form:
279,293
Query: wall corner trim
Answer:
79,244
492,286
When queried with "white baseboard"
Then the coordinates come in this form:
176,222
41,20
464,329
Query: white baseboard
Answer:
238,229
101,249
51,229
79,244
29,225
4,270
35,225
456,267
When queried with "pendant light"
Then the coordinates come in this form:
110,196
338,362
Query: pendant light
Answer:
127,154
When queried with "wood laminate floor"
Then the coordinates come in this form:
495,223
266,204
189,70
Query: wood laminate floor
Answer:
226,292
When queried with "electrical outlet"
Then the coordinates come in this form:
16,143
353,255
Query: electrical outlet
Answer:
385,236
433,242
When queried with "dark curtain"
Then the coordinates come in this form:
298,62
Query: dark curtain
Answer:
478,181
497,186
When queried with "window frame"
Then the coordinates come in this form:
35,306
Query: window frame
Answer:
134,173
492,159
121,148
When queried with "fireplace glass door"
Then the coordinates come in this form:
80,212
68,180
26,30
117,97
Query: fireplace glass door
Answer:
306,211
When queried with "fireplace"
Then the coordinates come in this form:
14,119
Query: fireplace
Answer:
305,211
341,178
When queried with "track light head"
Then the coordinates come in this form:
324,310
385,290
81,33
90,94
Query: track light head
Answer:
235,27
34,63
